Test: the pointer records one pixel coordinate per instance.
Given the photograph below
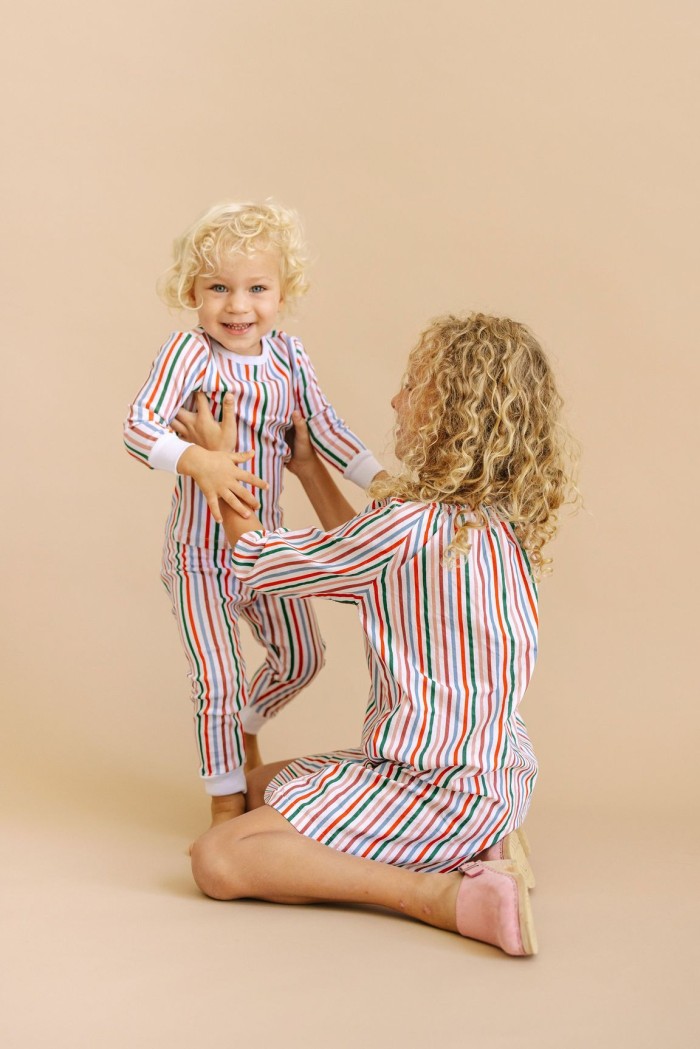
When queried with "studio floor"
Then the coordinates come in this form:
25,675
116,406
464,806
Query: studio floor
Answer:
108,943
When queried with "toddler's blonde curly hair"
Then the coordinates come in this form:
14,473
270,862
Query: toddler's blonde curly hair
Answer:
483,429
233,228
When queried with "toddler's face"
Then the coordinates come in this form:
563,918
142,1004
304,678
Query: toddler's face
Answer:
239,303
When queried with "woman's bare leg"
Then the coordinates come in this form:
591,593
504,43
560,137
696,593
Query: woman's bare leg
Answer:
261,856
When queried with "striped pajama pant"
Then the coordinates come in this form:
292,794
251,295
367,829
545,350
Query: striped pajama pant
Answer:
207,601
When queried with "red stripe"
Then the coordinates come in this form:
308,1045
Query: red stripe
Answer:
207,704
504,639
219,661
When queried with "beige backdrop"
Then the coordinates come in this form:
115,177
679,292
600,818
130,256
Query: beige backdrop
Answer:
534,159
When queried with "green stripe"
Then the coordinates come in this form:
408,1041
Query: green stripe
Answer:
143,456
390,659
418,810
309,414
387,622
354,812
326,451
504,605
291,640
218,535
175,359
263,413
314,798
526,559
179,485
237,733
472,670
332,542
455,833
189,644
428,647
305,387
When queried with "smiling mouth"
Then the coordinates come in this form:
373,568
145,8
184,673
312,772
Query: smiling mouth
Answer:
238,328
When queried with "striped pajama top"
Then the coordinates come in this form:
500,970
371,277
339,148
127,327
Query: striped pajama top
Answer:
445,767
267,389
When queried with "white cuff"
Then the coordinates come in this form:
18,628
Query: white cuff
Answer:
362,469
229,783
166,452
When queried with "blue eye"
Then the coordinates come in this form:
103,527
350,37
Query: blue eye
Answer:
218,287
258,287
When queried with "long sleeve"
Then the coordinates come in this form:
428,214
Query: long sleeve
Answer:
340,564
332,438
177,371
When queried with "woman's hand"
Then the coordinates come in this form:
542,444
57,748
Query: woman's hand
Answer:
212,462
200,427
303,453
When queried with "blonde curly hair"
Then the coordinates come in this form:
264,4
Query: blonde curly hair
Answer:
232,228
481,427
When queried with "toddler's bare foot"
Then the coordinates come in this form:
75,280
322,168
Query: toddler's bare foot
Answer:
224,808
252,752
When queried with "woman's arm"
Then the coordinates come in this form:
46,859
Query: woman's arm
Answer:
332,438
202,430
330,504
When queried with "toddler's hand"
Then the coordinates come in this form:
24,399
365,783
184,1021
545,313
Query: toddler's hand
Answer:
211,462
218,476
303,452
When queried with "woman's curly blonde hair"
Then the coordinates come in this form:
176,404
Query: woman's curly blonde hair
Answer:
482,428
232,228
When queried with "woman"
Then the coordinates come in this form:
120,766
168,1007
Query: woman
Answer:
441,567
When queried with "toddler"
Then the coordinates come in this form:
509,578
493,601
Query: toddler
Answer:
237,266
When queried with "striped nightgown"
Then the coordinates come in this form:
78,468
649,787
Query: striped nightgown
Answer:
207,598
445,767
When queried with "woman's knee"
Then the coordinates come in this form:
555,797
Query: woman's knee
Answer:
207,869
221,861
214,865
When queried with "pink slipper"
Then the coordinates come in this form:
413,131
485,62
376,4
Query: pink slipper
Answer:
493,906
515,847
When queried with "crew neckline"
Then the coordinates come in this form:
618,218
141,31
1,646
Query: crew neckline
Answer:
241,358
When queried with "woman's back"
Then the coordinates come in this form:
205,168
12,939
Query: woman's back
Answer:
452,644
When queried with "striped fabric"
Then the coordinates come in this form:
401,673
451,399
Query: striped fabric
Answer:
206,597
445,767
207,601
267,389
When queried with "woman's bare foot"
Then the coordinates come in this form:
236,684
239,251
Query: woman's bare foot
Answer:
252,752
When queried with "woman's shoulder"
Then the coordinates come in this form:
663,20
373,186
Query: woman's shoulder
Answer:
411,512
421,508
397,504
